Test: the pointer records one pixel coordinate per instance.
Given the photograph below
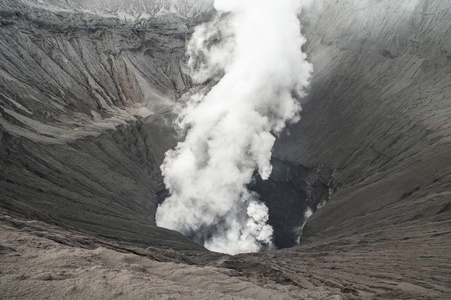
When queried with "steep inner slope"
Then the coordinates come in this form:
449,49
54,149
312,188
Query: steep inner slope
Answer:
379,113
85,109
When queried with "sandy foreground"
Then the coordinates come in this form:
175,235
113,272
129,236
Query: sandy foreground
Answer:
40,261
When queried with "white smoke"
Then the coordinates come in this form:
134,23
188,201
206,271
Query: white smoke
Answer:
298,231
252,52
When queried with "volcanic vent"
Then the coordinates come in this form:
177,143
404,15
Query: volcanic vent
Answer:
250,55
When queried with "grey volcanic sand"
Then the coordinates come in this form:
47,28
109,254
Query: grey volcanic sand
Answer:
37,263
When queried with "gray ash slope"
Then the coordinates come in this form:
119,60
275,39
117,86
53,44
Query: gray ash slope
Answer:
379,113
85,113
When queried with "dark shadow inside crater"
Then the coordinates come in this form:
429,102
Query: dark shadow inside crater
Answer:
288,193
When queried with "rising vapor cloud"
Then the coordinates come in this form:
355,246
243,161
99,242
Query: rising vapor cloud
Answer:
250,56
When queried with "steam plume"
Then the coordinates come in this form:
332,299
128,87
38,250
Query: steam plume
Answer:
252,53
